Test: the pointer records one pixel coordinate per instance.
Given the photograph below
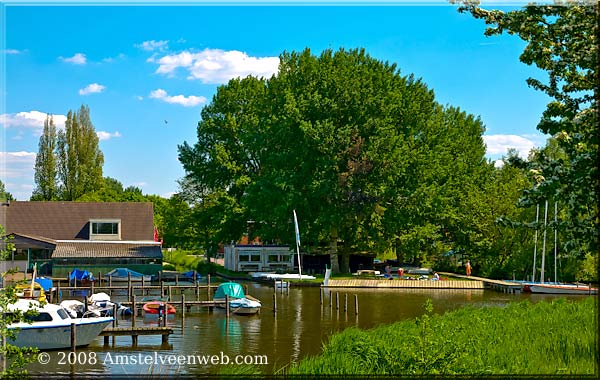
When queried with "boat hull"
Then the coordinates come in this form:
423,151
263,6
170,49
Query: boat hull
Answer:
242,306
559,289
151,309
54,337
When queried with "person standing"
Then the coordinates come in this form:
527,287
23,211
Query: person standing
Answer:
468,267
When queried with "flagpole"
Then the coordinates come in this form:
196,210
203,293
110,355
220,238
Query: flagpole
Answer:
297,230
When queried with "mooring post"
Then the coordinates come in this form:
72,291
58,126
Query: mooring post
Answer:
274,303
134,311
58,291
110,284
208,297
165,314
337,300
115,321
330,298
92,288
177,279
143,283
182,306
275,286
356,304
129,279
197,288
169,299
321,296
345,302
162,289
73,336
227,305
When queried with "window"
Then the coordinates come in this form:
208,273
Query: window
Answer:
105,230
249,256
62,314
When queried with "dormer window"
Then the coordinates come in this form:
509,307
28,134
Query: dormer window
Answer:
105,229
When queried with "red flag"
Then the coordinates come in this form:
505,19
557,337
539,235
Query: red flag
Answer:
155,234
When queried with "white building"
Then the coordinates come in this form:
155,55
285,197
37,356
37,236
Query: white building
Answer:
259,258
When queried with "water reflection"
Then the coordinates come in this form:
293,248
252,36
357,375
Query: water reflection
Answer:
298,329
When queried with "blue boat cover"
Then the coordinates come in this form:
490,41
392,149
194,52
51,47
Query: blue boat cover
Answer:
190,275
232,289
123,272
78,274
45,283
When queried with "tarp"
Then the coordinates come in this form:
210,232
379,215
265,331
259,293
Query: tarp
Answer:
232,289
45,283
123,272
78,274
190,275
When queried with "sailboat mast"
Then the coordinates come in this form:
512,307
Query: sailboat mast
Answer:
555,238
537,219
544,244
297,231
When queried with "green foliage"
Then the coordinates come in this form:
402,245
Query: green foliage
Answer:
12,359
4,195
557,337
589,268
46,165
561,40
182,260
364,155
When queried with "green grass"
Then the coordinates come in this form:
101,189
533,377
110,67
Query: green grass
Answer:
182,260
557,337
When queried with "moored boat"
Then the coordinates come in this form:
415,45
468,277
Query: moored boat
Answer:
158,308
50,327
124,274
559,289
239,302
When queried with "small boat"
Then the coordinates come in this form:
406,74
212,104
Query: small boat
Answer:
24,291
239,303
123,274
550,288
77,309
50,327
101,302
156,309
81,277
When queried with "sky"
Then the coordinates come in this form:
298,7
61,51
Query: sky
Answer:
146,69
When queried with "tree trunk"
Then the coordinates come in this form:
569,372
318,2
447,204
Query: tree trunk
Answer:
399,252
345,264
333,251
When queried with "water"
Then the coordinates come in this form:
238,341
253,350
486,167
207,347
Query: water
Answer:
267,340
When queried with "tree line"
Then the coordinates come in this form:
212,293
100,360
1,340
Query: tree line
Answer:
372,163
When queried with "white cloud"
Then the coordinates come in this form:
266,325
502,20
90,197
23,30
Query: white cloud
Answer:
112,59
153,45
189,101
12,51
499,144
17,164
102,136
32,119
217,66
77,59
92,88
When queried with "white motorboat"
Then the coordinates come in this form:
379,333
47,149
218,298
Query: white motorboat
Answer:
239,303
50,327
549,288
102,303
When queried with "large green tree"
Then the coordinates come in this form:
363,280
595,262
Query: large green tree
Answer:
45,164
342,138
562,40
5,195
79,156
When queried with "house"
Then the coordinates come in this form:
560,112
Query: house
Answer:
96,236
259,258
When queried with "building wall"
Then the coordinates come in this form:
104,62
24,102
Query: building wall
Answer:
259,258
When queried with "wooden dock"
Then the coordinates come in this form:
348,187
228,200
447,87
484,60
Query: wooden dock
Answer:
498,285
412,284
134,332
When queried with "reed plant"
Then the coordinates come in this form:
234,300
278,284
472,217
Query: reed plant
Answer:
556,337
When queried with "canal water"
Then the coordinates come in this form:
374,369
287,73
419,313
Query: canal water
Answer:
204,341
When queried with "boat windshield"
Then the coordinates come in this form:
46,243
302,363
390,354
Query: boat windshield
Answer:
62,314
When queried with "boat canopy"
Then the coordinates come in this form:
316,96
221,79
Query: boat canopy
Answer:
231,289
79,275
189,275
45,283
123,272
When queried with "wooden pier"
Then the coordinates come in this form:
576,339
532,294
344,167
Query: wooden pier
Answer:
134,332
498,285
399,284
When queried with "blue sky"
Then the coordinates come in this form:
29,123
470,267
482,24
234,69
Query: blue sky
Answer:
139,66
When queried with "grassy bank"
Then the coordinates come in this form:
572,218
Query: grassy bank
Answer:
557,337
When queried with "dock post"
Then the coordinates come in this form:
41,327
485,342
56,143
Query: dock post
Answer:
73,336
177,279
208,287
115,321
165,314
92,288
356,304
143,281
197,288
275,286
227,305
321,296
182,306
274,303
345,302
58,291
134,311
162,289
337,300
69,278
100,278
330,298
169,293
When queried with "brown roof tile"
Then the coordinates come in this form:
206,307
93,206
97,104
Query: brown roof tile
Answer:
70,220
